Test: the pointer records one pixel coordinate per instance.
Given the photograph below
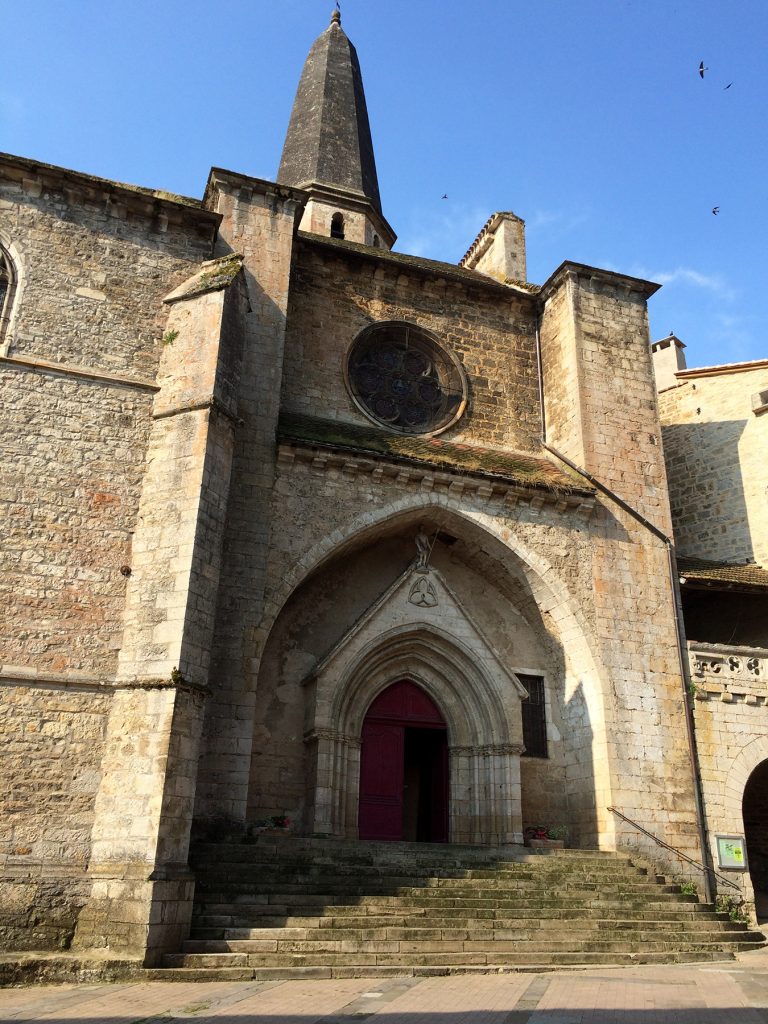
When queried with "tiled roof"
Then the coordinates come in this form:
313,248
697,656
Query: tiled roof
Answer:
726,574
518,468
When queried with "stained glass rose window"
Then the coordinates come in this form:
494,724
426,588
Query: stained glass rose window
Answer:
400,376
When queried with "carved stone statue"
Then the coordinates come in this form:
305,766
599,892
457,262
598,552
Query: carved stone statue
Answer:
423,551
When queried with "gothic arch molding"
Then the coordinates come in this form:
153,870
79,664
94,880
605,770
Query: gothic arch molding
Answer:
736,780
442,666
479,700
585,679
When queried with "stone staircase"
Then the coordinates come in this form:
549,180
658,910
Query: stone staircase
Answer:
281,908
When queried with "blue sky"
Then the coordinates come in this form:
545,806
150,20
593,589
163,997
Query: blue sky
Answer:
588,119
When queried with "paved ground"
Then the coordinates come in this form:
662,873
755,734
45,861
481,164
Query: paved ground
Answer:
734,992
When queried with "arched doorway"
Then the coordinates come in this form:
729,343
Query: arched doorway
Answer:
404,768
755,812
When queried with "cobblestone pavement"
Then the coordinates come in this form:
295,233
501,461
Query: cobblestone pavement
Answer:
733,992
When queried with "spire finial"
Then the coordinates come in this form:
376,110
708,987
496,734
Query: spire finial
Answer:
336,16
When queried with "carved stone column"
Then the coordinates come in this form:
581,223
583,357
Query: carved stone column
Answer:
334,783
485,800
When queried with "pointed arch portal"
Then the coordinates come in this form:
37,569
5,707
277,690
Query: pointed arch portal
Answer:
406,665
404,767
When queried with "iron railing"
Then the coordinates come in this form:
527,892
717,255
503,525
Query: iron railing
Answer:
673,849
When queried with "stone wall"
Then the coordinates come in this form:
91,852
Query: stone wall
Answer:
715,445
52,737
93,260
335,293
71,473
600,404
259,221
77,382
731,697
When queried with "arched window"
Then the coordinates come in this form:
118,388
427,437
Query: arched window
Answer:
337,225
376,242
7,289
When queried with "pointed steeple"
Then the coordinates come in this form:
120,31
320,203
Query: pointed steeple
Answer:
328,149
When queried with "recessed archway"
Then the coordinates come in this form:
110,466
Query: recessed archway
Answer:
755,813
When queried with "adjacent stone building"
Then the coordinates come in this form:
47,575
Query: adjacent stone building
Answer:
297,526
715,435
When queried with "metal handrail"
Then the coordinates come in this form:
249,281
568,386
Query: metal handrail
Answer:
679,853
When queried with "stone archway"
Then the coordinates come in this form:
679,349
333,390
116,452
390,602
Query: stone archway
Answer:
439,649
503,554
755,816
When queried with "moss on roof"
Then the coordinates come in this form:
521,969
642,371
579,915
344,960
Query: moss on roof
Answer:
518,468
699,570
424,266
214,276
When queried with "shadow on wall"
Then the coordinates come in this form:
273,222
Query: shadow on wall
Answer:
580,772
706,489
556,790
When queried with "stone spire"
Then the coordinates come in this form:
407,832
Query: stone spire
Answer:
328,149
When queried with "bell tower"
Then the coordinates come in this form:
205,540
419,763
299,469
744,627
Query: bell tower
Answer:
328,149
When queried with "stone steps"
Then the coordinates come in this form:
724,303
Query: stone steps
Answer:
347,909
401,886
438,957
469,930
381,904
222,915
534,964
503,940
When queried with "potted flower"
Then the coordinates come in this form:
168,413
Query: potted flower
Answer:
275,824
546,837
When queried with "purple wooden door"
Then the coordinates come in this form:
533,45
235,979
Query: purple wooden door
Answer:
381,781
382,762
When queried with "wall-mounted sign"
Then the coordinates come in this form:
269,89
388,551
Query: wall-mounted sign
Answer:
732,852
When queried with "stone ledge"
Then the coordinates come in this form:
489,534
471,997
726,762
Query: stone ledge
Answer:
82,372
43,968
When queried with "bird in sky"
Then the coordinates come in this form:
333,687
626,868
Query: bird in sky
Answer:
702,69
715,210
444,196
728,86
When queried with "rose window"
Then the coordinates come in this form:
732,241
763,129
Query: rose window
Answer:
402,378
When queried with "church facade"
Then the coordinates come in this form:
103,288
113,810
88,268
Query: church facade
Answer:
307,532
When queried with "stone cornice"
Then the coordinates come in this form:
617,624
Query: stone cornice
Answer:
568,269
222,180
34,176
320,460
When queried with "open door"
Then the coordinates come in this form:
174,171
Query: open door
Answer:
404,768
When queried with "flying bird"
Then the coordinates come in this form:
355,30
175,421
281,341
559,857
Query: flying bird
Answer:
444,196
715,210
728,86
702,69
